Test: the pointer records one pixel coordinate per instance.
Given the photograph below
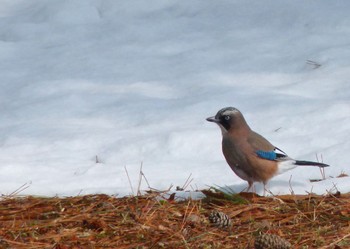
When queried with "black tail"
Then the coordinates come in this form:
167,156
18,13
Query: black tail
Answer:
308,163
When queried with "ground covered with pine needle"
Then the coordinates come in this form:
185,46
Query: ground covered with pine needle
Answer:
218,221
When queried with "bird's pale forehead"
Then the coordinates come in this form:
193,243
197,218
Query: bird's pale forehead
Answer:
229,111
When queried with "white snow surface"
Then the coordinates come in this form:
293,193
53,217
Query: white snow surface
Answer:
132,82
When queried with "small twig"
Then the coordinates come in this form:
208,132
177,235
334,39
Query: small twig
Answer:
192,188
127,174
187,214
79,193
144,177
273,195
322,170
161,191
276,130
148,208
290,186
140,180
185,242
323,173
184,218
20,189
310,193
336,242
187,182
333,188
313,63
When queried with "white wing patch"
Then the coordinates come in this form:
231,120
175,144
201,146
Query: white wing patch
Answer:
279,151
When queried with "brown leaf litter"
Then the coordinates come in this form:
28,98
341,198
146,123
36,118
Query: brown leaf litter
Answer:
102,221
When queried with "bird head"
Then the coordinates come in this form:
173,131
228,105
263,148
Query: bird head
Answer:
229,118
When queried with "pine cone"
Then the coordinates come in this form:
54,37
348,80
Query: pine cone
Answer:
220,219
271,241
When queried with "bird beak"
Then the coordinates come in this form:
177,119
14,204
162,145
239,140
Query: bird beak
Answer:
213,119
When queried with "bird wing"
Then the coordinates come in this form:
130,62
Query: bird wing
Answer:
264,149
275,154
258,142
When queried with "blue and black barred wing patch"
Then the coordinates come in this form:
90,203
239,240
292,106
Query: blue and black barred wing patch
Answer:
268,155
271,155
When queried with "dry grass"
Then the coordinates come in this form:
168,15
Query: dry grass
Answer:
101,221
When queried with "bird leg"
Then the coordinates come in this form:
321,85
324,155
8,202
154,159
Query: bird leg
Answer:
265,190
247,189
250,186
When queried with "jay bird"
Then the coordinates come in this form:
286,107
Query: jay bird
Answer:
250,155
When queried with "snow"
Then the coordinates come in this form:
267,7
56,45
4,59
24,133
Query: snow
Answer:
132,82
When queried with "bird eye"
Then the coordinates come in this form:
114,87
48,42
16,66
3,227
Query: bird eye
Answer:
227,118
